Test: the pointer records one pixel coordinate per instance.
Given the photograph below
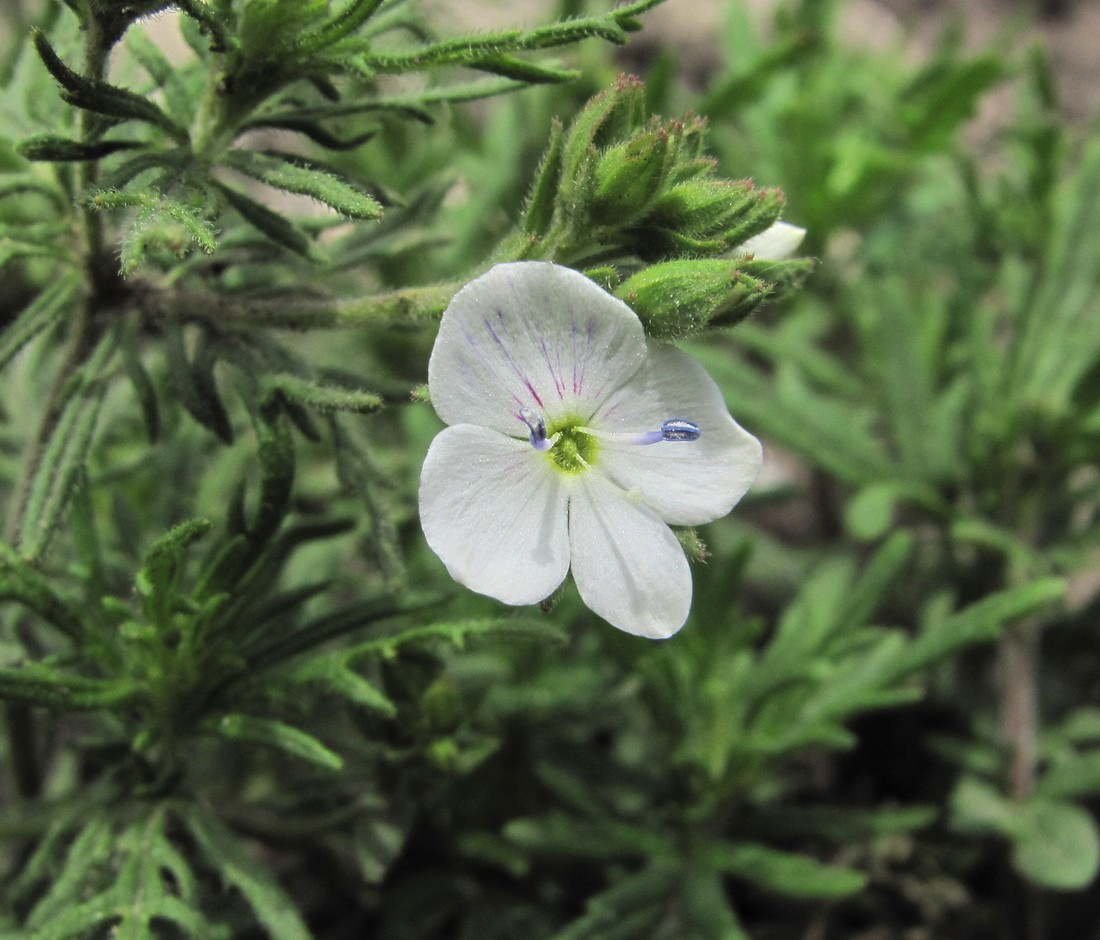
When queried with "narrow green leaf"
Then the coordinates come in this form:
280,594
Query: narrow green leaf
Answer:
1060,334
128,170
332,672
634,903
784,872
156,580
322,398
840,824
270,224
337,624
142,386
523,71
539,209
48,148
273,908
102,97
296,176
346,22
277,464
91,847
314,131
706,907
559,834
39,315
195,386
210,22
876,579
274,734
980,622
46,687
458,632
64,457
22,583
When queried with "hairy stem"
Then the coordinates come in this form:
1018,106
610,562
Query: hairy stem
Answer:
410,307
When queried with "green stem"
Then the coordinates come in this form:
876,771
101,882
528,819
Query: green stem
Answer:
409,307
96,54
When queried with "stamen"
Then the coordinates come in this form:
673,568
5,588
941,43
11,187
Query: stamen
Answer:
537,426
674,429
677,429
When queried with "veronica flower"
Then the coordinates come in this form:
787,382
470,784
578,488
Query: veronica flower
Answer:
573,444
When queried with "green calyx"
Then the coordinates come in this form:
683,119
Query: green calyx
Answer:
574,449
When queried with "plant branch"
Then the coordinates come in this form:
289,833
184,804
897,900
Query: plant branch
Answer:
408,307
1019,660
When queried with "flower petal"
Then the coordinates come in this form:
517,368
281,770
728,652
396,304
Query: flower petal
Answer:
686,482
629,567
775,243
496,513
530,334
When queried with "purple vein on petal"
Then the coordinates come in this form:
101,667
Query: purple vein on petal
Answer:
589,336
559,384
509,359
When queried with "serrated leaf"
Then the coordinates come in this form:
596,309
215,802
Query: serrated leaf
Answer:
324,185
273,908
275,734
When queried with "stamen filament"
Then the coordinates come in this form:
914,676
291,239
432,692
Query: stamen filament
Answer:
675,430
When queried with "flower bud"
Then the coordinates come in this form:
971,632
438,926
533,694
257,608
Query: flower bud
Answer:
677,298
704,207
629,178
608,118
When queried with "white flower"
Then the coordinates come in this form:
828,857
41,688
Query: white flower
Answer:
776,242
570,444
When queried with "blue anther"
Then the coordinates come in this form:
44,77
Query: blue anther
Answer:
677,429
537,427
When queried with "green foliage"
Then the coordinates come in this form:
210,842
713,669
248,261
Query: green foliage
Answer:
241,698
